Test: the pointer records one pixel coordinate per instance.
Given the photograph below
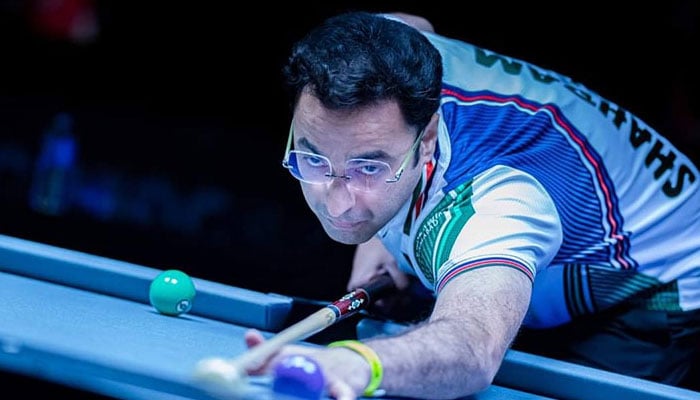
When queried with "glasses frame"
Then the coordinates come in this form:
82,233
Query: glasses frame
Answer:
394,179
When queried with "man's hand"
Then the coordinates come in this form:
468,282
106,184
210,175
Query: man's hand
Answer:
371,260
346,373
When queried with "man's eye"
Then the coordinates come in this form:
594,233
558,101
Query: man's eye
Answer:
369,169
315,161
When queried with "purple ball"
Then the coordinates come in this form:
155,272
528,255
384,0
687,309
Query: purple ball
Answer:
300,377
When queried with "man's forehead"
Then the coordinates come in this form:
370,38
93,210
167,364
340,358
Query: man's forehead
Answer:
309,104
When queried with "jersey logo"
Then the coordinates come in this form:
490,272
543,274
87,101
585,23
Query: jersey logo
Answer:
438,232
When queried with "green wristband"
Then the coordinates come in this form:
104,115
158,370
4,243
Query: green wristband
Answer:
377,371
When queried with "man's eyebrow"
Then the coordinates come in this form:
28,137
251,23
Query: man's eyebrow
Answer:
375,155
371,155
305,143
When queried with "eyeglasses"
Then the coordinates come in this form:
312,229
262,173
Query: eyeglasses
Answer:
360,173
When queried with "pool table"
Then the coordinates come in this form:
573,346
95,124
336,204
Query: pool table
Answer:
82,321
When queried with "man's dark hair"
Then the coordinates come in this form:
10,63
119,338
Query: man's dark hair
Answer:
357,59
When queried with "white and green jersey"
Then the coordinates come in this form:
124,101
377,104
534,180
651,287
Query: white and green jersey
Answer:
537,172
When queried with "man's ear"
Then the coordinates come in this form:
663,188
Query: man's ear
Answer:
429,140
416,21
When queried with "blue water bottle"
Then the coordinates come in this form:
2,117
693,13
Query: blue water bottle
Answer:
55,168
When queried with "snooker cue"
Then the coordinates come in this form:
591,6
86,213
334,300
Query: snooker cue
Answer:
231,371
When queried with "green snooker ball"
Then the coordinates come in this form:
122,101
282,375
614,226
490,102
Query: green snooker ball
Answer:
172,292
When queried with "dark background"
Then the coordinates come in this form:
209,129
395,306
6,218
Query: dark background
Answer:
180,119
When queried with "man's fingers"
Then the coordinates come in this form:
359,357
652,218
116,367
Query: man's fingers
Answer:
339,390
253,338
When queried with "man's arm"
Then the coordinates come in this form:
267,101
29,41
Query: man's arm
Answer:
457,352
460,348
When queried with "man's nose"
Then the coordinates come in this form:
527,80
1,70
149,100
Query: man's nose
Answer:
339,197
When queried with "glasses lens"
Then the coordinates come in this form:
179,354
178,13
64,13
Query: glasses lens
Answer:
309,167
360,174
366,175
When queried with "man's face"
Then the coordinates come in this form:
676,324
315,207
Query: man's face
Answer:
377,132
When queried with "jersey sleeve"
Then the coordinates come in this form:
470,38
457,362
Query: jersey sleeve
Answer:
503,217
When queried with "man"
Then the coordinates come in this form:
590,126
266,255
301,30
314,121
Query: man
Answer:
515,195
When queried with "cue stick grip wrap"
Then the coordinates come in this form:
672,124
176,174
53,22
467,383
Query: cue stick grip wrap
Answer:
379,286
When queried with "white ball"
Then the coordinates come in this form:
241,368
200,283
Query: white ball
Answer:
219,371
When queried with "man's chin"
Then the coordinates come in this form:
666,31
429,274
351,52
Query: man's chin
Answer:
347,237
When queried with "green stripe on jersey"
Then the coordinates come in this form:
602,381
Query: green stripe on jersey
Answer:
438,232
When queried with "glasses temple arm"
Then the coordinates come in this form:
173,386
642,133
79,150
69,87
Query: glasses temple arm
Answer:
289,144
